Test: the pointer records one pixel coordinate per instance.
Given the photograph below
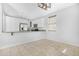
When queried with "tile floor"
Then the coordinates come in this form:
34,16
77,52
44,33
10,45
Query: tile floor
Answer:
42,47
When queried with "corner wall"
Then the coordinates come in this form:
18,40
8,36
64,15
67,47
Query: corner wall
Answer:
6,40
67,26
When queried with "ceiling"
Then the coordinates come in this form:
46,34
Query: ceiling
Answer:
31,10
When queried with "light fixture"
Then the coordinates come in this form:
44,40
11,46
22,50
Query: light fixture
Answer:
44,6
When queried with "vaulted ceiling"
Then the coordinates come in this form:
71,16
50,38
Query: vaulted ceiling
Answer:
31,10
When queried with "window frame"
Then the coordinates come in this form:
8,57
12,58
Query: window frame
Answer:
52,23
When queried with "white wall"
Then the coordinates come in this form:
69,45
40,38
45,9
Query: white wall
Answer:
7,40
67,30
67,26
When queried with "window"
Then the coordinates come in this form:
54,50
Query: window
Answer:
52,23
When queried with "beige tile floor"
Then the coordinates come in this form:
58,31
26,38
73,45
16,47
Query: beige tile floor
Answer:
42,47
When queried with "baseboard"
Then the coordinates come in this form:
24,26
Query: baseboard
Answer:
15,44
70,43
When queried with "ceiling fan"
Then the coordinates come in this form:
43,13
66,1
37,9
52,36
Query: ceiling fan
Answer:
44,6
